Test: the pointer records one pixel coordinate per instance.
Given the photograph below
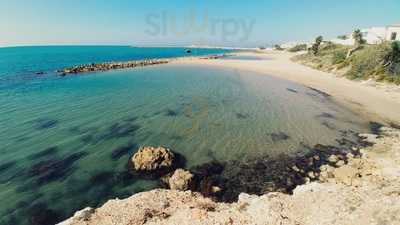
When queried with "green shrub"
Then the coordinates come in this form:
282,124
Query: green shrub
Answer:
339,57
364,63
297,48
392,59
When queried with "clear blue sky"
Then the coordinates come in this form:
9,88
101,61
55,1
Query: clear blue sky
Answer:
186,22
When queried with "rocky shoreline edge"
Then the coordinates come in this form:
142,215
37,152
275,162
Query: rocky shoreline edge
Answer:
359,186
96,67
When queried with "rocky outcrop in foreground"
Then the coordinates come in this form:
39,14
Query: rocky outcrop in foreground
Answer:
364,190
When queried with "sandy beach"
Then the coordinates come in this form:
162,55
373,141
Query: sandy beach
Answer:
373,100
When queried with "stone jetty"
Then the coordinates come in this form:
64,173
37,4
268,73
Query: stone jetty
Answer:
96,67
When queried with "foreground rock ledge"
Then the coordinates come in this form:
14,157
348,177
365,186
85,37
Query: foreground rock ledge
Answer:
365,191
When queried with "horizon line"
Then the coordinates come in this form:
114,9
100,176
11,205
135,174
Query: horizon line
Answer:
123,45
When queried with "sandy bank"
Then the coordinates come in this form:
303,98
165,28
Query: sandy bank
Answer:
369,98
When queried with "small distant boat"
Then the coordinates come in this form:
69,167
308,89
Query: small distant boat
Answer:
188,51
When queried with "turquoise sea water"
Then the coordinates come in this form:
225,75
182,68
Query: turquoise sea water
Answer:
65,141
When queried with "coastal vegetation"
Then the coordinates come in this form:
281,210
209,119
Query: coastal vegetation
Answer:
342,37
316,45
380,62
278,47
297,48
358,42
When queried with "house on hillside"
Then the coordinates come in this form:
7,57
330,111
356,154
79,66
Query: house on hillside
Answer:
393,32
374,35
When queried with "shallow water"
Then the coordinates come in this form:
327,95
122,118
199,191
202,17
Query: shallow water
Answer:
65,142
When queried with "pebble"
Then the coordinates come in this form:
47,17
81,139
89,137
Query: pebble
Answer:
350,155
333,158
295,168
215,189
311,175
340,163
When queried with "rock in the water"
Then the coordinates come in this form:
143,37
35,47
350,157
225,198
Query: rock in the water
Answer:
151,159
181,180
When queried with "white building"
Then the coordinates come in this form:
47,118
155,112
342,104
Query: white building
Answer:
375,35
393,32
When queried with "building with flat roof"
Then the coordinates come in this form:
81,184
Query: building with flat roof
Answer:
374,35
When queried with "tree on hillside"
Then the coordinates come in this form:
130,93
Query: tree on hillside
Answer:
358,38
358,42
315,46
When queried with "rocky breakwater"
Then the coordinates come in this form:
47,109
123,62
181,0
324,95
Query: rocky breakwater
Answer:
95,67
348,190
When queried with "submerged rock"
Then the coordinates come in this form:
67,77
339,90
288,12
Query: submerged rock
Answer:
151,159
280,136
181,180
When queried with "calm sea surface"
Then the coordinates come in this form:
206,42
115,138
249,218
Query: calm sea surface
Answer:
65,141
